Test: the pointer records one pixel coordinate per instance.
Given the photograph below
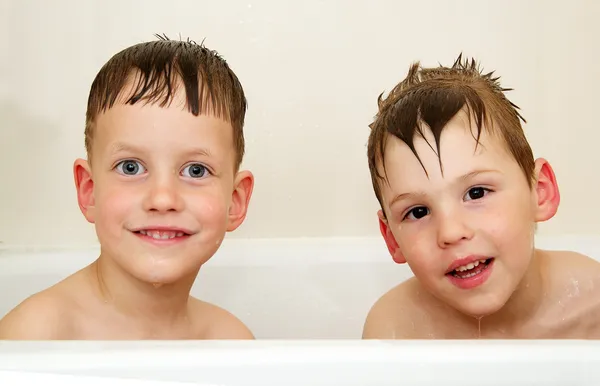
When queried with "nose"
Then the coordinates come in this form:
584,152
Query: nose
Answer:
163,195
453,228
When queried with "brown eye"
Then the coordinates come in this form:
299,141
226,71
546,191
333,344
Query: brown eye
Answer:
476,193
418,212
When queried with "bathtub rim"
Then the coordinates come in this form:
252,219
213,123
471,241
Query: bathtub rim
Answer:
324,362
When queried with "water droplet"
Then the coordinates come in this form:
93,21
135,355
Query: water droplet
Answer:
575,290
478,326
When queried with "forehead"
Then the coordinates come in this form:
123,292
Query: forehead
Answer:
150,126
460,153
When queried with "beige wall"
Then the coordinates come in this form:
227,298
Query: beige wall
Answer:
312,71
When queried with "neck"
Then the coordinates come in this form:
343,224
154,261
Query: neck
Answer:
522,306
149,306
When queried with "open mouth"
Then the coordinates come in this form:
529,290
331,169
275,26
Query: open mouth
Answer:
472,269
161,234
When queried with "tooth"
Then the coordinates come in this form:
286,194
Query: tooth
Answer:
482,261
475,264
470,266
143,232
179,234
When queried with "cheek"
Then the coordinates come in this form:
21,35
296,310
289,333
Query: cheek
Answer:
418,248
113,204
210,206
509,223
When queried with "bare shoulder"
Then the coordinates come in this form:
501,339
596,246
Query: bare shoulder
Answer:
218,322
46,315
575,282
39,317
572,265
390,317
573,276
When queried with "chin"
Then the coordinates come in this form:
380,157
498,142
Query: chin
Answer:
162,269
480,306
167,275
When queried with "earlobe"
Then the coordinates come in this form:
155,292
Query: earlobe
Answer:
84,185
547,192
242,191
390,240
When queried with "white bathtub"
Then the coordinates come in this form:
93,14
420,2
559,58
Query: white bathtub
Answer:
304,363
288,290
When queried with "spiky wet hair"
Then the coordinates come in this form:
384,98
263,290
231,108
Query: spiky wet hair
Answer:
433,96
157,69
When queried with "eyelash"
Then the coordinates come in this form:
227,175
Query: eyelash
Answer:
485,192
120,164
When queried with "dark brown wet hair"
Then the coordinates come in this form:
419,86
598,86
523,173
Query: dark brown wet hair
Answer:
433,96
157,69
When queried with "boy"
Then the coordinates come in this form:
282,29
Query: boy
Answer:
161,184
460,196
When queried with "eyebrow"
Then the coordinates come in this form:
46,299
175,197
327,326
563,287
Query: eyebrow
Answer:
119,147
460,179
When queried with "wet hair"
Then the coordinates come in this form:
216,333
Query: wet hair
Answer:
157,69
433,96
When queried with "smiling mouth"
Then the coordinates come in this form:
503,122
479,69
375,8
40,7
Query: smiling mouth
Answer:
161,234
472,269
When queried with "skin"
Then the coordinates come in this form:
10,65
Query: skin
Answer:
480,205
150,167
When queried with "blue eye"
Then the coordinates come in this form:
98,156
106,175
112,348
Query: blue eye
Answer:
195,171
130,168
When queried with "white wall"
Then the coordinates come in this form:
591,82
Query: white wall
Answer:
312,71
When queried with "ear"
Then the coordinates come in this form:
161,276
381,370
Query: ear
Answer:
85,188
242,191
546,189
390,240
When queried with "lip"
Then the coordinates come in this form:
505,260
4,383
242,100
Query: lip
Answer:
464,261
162,228
162,242
473,281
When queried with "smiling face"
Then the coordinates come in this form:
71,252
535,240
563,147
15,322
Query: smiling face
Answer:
467,229
161,188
